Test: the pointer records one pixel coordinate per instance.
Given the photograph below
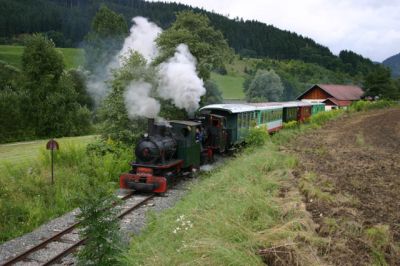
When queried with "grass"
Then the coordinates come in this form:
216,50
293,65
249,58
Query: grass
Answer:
24,153
236,213
28,199
11,54
226,218
230,86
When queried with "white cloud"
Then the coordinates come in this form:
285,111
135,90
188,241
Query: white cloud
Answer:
368,27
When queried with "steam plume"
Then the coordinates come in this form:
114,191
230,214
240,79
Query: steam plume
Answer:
141,39
179,81
138,103
177,77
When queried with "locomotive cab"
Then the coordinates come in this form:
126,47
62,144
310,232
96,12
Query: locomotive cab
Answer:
217,135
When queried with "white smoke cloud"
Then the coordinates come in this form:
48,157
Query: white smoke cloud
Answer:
141,39
178,80
97,85
138,102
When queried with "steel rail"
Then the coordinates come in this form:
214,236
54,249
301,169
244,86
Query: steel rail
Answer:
44,243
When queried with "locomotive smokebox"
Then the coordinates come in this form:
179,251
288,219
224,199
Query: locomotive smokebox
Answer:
150,126
158,146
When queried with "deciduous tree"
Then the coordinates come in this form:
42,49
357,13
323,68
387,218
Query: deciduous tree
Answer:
52,108
205,43
105,38
266,86
379,83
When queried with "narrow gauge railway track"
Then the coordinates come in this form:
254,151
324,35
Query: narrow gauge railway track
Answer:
72,229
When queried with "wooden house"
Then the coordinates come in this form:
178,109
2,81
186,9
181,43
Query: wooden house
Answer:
333,96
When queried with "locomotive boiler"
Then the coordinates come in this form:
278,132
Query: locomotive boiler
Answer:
156,148
164,153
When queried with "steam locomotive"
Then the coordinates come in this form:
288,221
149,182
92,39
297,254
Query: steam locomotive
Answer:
169,151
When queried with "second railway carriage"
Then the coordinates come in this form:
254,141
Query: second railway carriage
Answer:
269,115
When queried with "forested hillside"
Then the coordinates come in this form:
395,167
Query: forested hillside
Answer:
37,80
393,63
66,22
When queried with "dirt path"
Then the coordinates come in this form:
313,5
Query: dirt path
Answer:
349,172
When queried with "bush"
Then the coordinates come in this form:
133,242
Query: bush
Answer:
291,124
359,106
323,117
257,136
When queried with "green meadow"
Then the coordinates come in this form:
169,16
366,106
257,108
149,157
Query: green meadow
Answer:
13,55
24,153
230,86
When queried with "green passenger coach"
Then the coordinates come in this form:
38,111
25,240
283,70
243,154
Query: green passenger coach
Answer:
269,115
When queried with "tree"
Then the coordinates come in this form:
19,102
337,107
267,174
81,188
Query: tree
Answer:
79,81
99,223
105,38
379,83
113,114
205,43
213,94
266,86
41,61
52,108
9,76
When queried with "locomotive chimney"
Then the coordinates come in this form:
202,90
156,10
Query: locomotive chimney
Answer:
150,126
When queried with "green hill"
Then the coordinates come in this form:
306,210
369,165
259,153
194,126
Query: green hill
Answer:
67,22
393,63
73,57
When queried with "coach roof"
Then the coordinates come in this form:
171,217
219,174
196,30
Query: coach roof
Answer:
231,108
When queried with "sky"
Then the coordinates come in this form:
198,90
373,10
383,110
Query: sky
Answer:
368,27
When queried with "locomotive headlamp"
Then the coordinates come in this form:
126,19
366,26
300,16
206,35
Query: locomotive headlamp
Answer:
145,135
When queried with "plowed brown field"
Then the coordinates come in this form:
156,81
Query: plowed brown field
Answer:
353,164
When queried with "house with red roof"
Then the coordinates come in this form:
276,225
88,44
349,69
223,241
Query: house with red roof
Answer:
334,96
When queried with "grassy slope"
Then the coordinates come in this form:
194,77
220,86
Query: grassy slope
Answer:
12,54
23,153
230,86
235,212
